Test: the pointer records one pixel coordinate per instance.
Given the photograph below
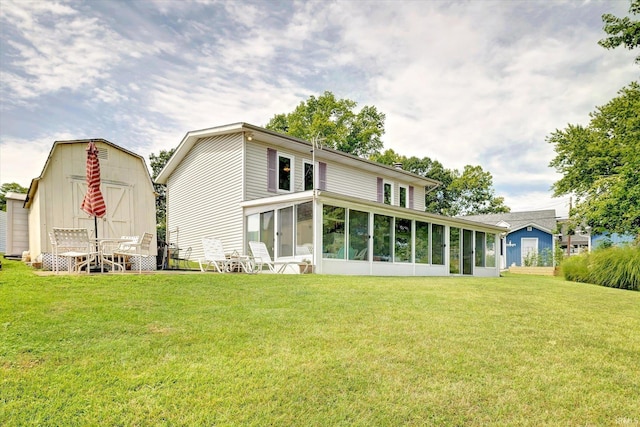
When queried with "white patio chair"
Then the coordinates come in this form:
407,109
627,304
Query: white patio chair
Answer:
109,246
134,249
75,245
213,256
262,258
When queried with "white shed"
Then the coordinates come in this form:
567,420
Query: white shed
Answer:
17,237
54,198
3,232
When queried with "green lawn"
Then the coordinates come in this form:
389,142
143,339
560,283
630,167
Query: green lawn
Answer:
311,350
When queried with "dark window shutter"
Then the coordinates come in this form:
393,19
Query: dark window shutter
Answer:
380,190
410,197
271,170
322,175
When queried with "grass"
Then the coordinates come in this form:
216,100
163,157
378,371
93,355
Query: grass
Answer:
312,350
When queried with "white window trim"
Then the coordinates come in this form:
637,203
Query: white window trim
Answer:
406,193
291,173
306,162
391,184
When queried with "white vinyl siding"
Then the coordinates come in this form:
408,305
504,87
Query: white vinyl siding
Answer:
256,167
205,193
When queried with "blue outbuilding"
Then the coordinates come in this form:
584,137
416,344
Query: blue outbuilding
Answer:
530,239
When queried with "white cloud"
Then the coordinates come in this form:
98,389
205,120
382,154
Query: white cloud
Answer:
23,159
460,82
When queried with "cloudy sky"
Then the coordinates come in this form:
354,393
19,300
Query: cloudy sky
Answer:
470,82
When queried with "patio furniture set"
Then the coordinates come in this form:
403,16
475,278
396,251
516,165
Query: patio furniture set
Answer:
84,252
117,254
260,260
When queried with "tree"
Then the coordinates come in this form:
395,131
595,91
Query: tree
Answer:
469,193
335,121
622,31
472,193
157,164
10,187
600,164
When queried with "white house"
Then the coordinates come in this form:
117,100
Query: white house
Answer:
240,182
54,198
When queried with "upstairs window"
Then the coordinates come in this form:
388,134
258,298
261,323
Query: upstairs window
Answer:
402,202
385,191
308,176
388,193
284,172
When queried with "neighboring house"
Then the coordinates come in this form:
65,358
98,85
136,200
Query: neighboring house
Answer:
54,198
17,225
614,239
344,214
530,234
572,243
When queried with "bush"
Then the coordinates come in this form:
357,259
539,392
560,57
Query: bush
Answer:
576,268
615,267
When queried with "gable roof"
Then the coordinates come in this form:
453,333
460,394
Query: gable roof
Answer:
286,141
33,187
544,220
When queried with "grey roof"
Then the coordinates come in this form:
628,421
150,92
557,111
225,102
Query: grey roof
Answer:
545,220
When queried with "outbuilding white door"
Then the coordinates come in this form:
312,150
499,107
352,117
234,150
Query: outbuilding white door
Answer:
529,246
119,219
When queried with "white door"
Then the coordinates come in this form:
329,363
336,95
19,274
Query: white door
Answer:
119,219
529,248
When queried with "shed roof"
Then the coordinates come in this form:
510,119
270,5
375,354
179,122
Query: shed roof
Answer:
545,220
287,141
33,187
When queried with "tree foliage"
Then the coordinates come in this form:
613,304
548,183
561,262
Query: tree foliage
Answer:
472,193
335,121
622,31
468,193
157,164
9,187
600,165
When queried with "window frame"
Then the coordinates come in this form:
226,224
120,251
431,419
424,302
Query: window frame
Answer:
406,196
384,186
291,173
306,163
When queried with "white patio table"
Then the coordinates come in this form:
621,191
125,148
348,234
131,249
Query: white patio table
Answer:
106,246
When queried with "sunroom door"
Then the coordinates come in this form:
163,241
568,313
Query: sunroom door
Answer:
267,233
285,232
454,250
467,252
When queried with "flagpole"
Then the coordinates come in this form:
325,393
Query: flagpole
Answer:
315,142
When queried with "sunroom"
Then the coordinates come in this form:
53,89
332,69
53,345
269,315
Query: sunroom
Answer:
359,237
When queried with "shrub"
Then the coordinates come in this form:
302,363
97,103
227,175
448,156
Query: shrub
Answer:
615,267
576,268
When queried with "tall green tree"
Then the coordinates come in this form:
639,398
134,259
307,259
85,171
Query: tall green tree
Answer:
472,193
600,165
9,187
157,164
337,122
622,31
468,193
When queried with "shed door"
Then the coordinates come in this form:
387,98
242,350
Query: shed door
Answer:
529,248
119,219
